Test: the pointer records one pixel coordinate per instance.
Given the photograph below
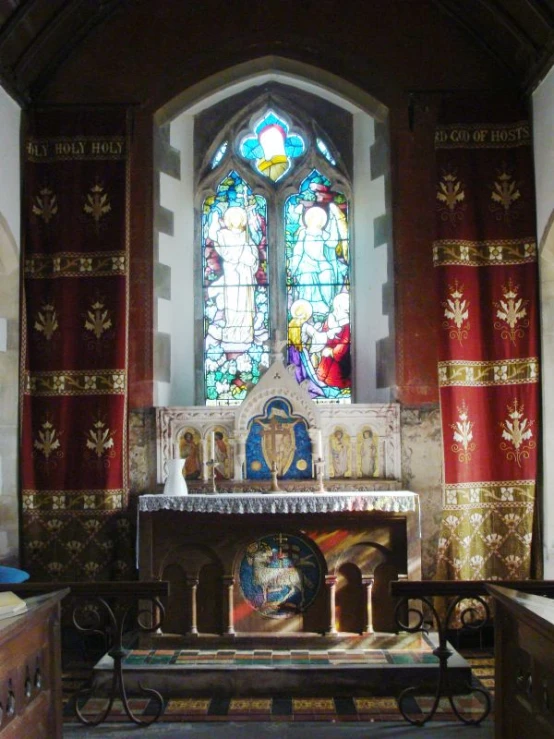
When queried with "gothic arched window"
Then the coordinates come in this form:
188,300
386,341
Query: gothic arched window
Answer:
273,226
275,256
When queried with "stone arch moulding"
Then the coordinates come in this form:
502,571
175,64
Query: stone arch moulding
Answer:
177,375
234,79
191,558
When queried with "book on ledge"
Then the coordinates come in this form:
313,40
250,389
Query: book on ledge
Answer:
11,605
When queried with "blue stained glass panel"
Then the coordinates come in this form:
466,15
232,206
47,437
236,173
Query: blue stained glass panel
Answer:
318,288
220,153
324,149
236,300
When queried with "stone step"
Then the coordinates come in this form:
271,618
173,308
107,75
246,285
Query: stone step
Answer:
346,668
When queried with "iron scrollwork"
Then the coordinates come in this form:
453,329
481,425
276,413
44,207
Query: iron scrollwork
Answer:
115,620
467,618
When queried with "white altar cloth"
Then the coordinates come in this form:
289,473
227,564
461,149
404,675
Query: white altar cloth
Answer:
233,503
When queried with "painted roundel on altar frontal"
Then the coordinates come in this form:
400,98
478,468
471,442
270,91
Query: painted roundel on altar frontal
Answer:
281,574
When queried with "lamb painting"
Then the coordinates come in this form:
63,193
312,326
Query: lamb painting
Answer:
280,575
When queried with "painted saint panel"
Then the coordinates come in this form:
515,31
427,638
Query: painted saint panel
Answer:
190,449
236,310
318,288
368,453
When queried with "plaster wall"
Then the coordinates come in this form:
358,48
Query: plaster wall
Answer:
9,326
543,126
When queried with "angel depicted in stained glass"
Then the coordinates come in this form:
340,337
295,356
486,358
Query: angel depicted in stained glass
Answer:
318,287
235,295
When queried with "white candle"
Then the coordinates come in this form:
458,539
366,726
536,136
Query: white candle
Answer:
213,445
319,444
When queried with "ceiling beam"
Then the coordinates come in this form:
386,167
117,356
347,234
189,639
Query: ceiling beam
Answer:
541,11
104,10
458,17
56,23
502,18
14,19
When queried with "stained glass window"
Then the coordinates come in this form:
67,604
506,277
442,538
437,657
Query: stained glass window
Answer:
324,149
236,301
272,146
220,153
318,288
309,260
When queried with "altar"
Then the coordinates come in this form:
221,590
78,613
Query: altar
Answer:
280,564
295,519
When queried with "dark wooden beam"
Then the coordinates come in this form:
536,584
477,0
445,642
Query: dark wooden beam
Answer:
112,589
467,588
541,11
103,11
507,21
459,19
58,21
18,15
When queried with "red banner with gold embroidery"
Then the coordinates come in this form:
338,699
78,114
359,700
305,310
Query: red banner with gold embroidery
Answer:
74,355
486,262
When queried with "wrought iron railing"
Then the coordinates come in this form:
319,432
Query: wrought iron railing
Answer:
474,615
108,609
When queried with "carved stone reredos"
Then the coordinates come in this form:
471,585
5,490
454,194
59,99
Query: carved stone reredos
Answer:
276,381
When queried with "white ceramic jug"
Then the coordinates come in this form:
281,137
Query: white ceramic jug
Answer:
175,483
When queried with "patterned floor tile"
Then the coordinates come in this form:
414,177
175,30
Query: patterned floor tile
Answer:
313,706
376,705
95,705
250,705
188,706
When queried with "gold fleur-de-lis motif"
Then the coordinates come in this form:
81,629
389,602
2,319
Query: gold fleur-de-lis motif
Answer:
456,312
451,196
48,439
511,313
97,204
45,204
46,321
517,434
504,193
99,438
98,319
463,435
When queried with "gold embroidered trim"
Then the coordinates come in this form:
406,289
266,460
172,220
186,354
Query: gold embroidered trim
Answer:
492,494
484,253
64,500
62,148
76,382
69,264
483,136
482,374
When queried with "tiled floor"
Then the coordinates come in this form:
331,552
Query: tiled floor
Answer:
246,709
279,658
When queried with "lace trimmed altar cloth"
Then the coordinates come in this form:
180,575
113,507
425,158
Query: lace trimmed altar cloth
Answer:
239,503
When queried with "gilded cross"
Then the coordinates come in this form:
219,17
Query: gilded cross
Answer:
275,433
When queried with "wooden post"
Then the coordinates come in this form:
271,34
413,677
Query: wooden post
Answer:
367,582
331,584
